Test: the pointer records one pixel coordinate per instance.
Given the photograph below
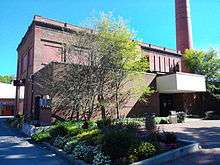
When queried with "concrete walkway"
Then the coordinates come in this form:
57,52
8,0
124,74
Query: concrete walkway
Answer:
16,150
206,132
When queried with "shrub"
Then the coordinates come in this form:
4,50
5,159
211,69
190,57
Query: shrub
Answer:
168,137
75,127
16,122
41,136
59,130
116,142
128,122
159,119
69,146
90,136
101,159
132,125
211,115
153,136
181,117
150,123
142,151
84,152
104,123
162,121
59,142
146,150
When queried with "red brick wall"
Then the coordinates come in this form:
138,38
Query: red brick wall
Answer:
25,68
162,62
183,25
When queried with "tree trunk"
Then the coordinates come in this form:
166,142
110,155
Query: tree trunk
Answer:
102,107
117,102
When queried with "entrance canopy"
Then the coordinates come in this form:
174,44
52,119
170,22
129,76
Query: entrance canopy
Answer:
181,83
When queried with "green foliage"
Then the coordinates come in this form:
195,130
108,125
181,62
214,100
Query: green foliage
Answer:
205,63
117,44
59,130
60,142
116,143
101,159
41,136
126,124
104,123
69,146
84,152
181,117
146,93
16,122
158,119
6,79
168,137
92,136
120,54
164,121
142,151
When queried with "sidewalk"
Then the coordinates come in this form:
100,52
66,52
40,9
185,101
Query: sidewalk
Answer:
16,150
206,132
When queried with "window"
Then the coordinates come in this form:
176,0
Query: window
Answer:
154,64
169,63
164,62
159,64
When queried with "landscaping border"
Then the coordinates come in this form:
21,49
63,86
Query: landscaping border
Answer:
191,147
63,154
173,154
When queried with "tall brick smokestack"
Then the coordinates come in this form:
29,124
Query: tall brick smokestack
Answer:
183,25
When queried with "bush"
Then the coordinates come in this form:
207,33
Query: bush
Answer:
41,136
59,130
162,121
69,146
104,123
16,122
168,137
75,127
84,152
132,125
181,117
59,142
90,136
211,115
101,159
116,142
159,119
143,151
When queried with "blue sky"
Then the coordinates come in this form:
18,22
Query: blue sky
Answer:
153,21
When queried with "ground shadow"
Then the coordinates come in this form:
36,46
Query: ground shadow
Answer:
208,137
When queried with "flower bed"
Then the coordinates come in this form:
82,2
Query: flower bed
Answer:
107,141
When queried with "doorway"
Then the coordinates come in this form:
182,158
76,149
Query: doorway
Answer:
37,107
166,104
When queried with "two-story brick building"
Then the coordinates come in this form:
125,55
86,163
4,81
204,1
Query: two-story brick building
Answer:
44,42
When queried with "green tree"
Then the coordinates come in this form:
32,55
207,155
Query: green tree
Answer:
205,63
6,79
121,55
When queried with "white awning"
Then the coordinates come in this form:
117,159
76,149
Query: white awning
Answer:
8,91
181,83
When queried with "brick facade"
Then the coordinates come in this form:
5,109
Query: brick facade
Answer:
44,43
